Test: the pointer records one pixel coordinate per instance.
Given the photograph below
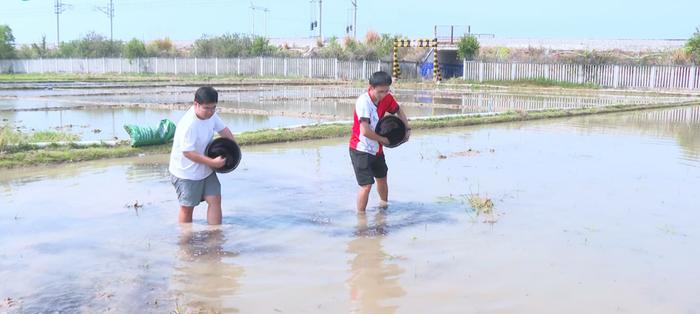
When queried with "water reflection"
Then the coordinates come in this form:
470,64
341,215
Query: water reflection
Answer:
205,277
681,124
107,123
374,279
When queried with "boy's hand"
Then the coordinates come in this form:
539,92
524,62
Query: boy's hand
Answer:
218,162
384,141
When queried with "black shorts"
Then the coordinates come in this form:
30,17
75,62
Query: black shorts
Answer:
367,166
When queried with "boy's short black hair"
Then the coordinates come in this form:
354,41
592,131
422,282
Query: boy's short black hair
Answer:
380,78
206,95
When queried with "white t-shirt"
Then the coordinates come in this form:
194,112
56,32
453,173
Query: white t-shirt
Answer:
366,109
192,134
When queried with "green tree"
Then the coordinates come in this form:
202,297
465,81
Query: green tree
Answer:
161,48
68,49
204,47
134,49
232,45
91,45
333,49
261,47
41,50
7,43
94,45
693,46
468,47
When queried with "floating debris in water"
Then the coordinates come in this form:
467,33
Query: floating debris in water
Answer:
483,207
468,152
134,205
447,199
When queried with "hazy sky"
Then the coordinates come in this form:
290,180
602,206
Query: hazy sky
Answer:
189,19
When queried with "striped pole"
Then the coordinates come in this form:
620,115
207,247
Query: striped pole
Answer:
396,69
436,64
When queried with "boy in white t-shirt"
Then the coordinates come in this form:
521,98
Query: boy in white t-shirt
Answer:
190,170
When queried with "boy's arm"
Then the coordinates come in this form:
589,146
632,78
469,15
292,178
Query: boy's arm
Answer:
367,132
404,118
217,162
226,133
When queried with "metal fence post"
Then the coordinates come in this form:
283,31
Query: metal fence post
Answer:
481,71
691,79
364,69
464,69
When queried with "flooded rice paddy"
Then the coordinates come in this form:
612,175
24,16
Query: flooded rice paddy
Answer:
98,111
595,214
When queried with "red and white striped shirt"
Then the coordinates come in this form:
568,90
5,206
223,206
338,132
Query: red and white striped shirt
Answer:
365,109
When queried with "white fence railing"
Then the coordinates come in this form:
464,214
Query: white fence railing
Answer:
258,66
604,75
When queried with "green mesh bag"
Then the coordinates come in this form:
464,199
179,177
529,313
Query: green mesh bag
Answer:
144,136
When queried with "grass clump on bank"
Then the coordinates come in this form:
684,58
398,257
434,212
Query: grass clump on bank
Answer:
9,138
56,154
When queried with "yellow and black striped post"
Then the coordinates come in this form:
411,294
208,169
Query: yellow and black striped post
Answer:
436,65
422,43
396,69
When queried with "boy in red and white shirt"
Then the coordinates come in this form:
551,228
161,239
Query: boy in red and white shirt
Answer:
365,145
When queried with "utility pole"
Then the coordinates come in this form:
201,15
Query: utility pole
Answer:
253,8
320,19
110,12
59,7
354,20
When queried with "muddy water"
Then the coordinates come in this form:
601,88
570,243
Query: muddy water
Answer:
592,215
100,112
100,123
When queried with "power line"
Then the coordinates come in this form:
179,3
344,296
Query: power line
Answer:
314,23
354,20
253,8
109,11
59,7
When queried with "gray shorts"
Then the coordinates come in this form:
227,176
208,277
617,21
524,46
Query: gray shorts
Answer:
192,192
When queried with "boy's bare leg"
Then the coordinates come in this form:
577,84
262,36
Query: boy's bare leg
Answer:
383,190
363,197
214,209
185,215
